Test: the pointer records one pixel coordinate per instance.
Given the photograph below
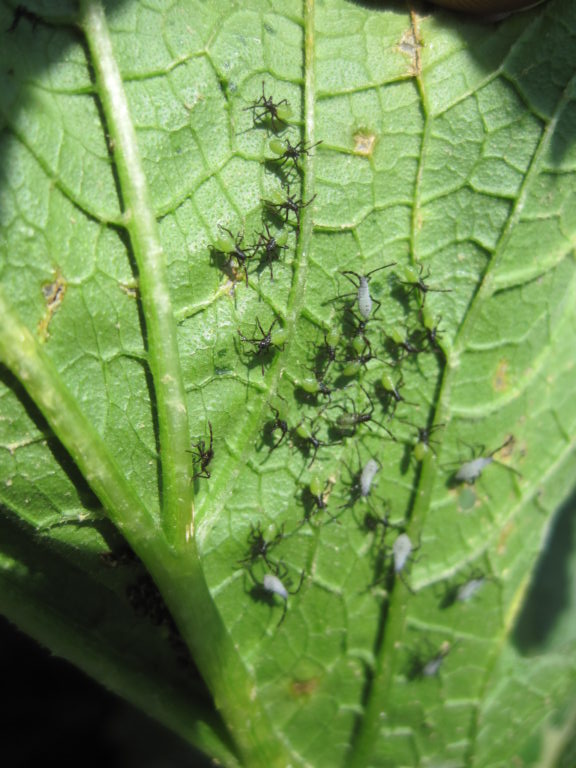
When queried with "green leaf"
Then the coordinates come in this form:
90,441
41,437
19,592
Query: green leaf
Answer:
193,403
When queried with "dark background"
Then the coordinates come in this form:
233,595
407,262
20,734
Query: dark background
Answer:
50,711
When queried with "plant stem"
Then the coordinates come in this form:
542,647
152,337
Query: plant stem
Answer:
175,564
181,581
140,221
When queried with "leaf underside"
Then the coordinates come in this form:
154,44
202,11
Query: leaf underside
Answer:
445,144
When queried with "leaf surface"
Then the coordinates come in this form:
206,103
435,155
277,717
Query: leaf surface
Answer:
445,145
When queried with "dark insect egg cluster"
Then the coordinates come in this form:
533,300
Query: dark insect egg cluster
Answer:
360,381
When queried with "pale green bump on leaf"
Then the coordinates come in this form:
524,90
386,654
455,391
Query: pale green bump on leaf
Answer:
277,146
134,418
353,368
310,385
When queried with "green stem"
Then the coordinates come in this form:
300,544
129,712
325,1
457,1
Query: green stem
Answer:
140,221
175,567
181,581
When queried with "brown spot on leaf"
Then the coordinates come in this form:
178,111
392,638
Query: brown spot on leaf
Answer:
411,45
504,536
500,380
300,688
53,293
364,143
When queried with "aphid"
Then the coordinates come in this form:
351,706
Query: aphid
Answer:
393,388
470,471
415,282
430,327
273,584
279,423
464,591
348,421
403,341
377,525
277,584
361,283
304,433
69,518
232,246
369,472
288,204
315,385
363,354
266,108
331,340
364,478
401,551
470,588
286,151
371,522
432,667
316,498
419,668
318,491
259,547
392,391
272,244
203,455
362,346
352,368
424,443
327,351
268,339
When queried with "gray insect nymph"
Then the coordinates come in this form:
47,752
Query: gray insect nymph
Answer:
371,468
364,298
273,585
432,667
471,470
401,549
365,301
470,588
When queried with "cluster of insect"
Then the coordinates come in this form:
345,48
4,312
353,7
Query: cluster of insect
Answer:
352,384
281,211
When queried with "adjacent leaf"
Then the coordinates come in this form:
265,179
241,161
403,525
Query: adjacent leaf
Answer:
148,336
